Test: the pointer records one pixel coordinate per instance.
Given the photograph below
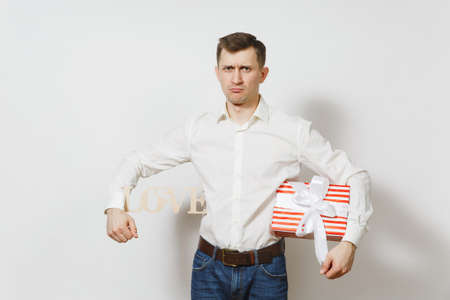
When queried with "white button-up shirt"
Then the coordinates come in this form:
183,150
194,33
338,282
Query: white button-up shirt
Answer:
241,166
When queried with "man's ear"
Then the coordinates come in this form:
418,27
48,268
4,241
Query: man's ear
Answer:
264,73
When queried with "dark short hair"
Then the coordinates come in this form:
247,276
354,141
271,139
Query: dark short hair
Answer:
239,41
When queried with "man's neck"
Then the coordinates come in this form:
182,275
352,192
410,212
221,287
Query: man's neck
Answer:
242,113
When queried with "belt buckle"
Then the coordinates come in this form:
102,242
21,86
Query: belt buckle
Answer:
223,260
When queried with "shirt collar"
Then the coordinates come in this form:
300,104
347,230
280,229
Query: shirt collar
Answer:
261,112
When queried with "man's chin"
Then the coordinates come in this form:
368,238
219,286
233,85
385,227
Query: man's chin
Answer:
237,99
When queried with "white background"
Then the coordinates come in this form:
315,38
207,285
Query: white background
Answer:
84,82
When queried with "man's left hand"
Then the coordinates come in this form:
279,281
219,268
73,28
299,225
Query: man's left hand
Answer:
339,260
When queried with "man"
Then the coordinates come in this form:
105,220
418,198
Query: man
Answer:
242,153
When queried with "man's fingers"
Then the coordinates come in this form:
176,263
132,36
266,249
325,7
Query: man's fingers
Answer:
127,233
121,236
121,227
334,272
341,261
326,265
133,228
118,237
330,268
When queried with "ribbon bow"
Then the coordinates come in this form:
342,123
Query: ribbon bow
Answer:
311,198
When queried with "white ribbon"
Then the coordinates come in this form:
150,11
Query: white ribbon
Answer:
311,199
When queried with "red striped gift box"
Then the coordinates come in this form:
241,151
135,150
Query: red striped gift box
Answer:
287,215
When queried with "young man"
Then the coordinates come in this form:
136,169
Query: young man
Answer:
242,153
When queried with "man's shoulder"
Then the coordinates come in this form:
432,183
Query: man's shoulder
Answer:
201,115
282,115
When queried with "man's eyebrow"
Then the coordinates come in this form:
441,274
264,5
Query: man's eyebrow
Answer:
242,66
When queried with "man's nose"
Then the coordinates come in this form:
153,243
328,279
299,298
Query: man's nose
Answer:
236,78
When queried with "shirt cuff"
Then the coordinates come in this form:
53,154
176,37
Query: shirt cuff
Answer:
117,201
354,232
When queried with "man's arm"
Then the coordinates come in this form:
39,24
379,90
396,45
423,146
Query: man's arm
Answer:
172,149
360,208
316,153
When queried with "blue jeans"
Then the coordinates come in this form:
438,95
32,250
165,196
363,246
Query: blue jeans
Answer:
211,279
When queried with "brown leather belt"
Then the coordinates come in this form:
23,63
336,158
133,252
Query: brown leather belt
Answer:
235,258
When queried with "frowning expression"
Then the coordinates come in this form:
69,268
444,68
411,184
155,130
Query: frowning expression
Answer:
240,75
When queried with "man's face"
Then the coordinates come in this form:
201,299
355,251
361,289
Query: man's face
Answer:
239,75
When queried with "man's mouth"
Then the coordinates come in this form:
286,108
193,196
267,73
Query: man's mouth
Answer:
236,90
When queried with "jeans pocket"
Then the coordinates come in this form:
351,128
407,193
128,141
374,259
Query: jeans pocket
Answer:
275,269
201,260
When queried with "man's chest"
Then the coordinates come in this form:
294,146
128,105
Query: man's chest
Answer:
257,151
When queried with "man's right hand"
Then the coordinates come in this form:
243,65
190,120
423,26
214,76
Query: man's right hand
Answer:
120,226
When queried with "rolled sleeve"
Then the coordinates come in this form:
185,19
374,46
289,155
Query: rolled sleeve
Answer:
360,208
317,154
172,149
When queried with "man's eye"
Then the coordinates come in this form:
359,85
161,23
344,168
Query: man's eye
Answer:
246,68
